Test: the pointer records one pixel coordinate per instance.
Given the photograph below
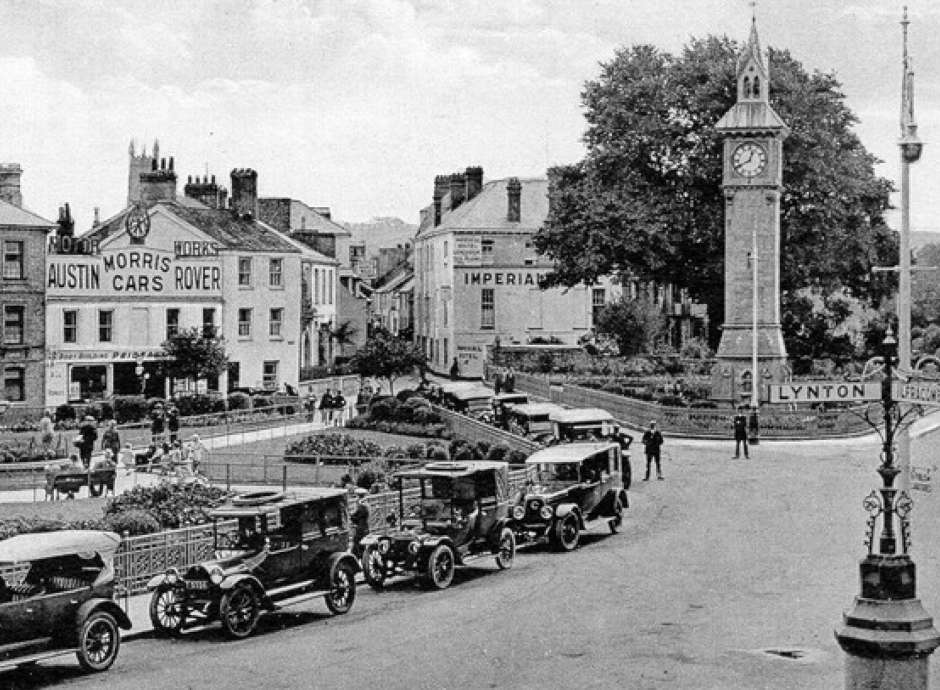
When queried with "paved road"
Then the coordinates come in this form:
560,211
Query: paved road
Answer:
719,563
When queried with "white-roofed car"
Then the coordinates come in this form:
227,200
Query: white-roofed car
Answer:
57,597
532,420
592,424
570,484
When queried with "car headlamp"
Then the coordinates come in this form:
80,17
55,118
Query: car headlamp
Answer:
518,512
413,547
546,512
172,576
216,575
385,546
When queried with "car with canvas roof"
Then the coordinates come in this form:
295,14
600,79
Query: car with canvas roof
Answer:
532,420
449,513
284,548
57,597
570,485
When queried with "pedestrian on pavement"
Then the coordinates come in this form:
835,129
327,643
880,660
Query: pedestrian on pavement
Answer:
498,380
360,520
455,370
652,442
173,423
740,432
110,439
88,431
339,408
157,421
326,408
509,384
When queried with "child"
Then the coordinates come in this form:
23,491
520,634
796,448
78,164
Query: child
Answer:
126,458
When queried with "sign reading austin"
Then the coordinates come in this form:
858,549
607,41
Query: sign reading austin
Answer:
824,391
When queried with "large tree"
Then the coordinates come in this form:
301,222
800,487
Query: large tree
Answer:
191,355
646,200
386,356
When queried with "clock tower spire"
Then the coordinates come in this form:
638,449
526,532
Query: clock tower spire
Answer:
752,351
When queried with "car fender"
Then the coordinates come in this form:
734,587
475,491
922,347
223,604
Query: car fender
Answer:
341,557
370,539
156,581
232,580
106,605
428,545
565,508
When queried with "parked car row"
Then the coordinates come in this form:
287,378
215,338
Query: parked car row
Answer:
290,547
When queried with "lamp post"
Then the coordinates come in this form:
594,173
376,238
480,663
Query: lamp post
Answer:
754,420
888,636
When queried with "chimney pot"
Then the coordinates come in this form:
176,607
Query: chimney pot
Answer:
514,200
10,184
474,175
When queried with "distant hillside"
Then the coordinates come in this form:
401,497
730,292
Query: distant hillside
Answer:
379,233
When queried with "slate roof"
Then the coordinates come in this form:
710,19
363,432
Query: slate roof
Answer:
222,225
487,210
14,215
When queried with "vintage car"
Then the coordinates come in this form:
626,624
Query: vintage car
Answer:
57,597
287,548
474,401
531,420
502,402
570,484
462,512
592,424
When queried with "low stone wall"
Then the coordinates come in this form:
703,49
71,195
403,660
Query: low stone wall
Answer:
473,430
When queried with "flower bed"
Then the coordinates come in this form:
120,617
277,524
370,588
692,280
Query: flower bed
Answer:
167,506
408,414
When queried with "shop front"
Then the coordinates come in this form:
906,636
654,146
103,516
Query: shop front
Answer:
77,376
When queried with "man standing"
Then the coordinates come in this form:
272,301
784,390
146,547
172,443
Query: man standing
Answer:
173,423
360,520
509,384
652,442
455,370
740,432
88,431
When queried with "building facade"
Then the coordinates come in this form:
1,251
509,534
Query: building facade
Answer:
166,264
22,299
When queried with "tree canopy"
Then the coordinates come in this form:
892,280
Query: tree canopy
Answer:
190,355
386,356
646,200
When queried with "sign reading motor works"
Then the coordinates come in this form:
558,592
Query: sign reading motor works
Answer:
824,391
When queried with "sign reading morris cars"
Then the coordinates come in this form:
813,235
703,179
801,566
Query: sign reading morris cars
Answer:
824,391
132,270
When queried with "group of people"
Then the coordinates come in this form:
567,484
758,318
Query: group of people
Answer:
504,381
332,406
174,458
164,423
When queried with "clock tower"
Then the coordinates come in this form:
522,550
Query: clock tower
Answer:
752,175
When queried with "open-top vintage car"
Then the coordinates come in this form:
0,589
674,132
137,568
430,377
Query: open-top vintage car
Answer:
288,548
531,420
474,401
501,403
570,484
462,512
57,597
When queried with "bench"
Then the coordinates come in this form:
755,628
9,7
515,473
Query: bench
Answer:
97,481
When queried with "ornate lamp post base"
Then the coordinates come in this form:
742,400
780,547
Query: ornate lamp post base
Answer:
888,637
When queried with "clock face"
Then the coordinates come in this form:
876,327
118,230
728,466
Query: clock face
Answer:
137,223
749,159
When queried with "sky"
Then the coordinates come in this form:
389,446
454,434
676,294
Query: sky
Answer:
358,104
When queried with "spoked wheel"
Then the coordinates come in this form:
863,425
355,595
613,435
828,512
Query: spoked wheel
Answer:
441,564
343,589
507,549
566,533
98,642
239,611
617,519
373,566
166,612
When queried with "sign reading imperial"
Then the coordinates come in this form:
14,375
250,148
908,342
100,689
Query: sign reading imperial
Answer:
126,270
527,278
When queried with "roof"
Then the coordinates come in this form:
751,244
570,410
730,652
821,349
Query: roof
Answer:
11,214
451,469
567,452
581,415
472,393
455,386
504,397
282,500
487,210
224,226
533,409
35,546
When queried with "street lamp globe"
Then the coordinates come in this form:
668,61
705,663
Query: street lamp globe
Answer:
911,148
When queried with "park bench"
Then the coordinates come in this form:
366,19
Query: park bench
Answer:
97,481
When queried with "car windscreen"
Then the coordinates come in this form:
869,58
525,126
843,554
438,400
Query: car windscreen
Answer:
557,472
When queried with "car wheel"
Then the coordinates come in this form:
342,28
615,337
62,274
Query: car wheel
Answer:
98,642
627,476
239,611
566,532
342,589
507,549
440,569
166,613
614,522
373,567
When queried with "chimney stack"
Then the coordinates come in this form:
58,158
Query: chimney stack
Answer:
441,186
245,192
205,191
97,220
10,184
458,185
157,184
474,177
66,224
514,200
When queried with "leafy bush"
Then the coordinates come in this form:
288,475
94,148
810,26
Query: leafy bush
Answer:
238,401
499,452
261,401
64,413
199,404
132,521
383,408
171,505
331,448
129,408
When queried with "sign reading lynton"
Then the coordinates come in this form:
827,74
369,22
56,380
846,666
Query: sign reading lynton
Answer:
824,391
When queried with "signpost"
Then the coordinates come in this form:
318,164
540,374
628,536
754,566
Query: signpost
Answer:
824,391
